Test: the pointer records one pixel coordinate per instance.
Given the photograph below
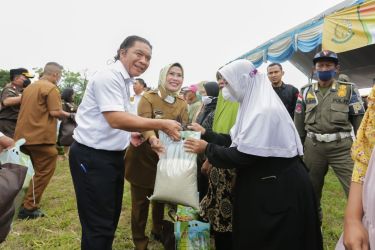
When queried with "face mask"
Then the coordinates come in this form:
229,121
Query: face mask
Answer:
199,96
26,83
325,75
227,95
206,100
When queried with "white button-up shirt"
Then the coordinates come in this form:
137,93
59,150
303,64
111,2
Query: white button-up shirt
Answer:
108,90
134,103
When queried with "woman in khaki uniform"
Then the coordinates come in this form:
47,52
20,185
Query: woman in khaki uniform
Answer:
141,161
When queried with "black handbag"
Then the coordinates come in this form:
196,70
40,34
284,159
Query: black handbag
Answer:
12,177
65,137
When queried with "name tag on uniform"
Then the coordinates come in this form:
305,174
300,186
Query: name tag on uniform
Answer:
169,99
341,101
158,114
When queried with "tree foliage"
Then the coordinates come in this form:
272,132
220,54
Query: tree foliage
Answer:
4,77
74,80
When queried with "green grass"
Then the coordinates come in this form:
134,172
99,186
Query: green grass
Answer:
61,228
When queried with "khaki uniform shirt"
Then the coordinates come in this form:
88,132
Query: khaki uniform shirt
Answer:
337,110
35,124
9,112
141,161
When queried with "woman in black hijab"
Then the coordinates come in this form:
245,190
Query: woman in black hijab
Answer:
206,118
209,100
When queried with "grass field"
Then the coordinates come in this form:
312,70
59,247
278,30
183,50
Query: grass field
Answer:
61,228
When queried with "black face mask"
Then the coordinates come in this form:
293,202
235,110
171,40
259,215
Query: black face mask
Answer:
26,82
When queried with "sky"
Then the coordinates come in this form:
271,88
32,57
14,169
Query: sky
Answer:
202,35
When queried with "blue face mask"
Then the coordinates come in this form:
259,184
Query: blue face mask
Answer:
325,75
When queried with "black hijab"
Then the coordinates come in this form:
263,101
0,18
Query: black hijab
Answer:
212,90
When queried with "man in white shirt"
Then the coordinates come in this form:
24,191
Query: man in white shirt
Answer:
139,87
104,123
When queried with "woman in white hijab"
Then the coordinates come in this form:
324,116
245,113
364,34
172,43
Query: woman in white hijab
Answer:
274,206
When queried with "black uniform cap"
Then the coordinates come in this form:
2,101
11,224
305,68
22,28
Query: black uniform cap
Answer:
326,55
19,71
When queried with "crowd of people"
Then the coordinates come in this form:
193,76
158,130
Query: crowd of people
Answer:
265,149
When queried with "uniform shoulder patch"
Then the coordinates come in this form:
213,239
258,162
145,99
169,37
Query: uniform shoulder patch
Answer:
310,96
342,91
298,108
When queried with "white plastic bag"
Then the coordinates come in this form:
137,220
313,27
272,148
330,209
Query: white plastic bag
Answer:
176,176
15,156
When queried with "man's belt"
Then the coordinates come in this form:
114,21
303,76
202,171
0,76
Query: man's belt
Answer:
328,137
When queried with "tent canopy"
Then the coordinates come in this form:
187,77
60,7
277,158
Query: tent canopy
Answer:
339,29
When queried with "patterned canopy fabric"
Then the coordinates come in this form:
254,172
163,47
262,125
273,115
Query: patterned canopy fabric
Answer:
333,30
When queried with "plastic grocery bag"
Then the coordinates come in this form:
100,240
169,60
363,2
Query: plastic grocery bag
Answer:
192,235
176,176
12,177
15,156
186,213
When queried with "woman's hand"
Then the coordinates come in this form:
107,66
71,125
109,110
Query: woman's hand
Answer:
355,236
156,145
196,127
206,168
195,146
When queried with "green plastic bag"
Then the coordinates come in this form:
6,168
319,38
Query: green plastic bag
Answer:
186,213
192,235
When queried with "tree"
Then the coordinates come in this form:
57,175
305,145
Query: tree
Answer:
76,81
4,77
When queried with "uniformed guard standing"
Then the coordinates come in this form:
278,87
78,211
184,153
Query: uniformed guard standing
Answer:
11,99
325,113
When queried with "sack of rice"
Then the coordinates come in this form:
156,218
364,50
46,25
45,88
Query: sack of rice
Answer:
176,176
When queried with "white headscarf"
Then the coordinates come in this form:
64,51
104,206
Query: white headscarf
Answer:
163,80
263,126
